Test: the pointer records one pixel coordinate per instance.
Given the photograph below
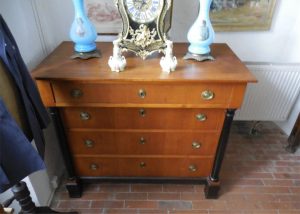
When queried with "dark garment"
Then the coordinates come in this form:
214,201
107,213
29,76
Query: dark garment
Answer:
18,158
35,111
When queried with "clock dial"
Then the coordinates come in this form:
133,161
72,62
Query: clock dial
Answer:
143,11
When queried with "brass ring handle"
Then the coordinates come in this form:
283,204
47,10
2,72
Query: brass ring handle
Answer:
142,140
94,166
76,93
89,143
196,145
193,168
142,164
207,95
142,112
142,93
201,117
85,116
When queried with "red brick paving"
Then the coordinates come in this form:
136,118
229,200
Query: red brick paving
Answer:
258,177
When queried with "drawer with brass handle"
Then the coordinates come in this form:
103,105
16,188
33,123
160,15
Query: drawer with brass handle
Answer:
142,166
143,118
122,142
206,94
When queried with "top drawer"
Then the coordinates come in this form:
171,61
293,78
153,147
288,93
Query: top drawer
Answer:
212,95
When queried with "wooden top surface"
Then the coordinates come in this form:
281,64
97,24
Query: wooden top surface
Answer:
226,67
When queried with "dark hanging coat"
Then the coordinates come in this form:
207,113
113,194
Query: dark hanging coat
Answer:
36,114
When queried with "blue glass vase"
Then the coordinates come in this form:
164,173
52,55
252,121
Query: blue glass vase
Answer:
201,34
83,32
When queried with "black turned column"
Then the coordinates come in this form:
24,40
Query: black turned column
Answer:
73,185
213,184
22,195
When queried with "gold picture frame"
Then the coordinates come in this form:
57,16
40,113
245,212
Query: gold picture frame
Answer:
242,15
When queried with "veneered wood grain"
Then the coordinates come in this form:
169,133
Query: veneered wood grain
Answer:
155,166
155,118
226,67
46,92
142,142
129,93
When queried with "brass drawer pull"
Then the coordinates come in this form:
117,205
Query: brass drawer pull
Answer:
142,93
85,116
142,164
196,145
89,143
201,117
193,168
76,93
207,95
142,112
94,166
142,141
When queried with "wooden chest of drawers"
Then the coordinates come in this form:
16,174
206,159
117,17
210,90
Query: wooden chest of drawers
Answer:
142,124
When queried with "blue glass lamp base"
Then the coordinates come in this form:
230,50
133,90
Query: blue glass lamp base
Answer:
198,57
85,47
86,55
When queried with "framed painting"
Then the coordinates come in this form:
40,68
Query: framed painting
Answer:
242,15
104,15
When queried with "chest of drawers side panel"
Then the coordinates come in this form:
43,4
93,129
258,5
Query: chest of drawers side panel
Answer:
46,92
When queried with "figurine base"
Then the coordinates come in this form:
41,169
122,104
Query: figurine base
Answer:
86,55
198,57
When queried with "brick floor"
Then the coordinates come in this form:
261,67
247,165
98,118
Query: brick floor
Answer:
258,177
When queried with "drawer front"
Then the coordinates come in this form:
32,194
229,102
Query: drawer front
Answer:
142,142
206,94
140,118
139,167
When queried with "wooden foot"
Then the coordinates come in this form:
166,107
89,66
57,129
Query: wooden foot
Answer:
211,189
74,188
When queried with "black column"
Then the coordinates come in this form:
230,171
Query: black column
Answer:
213,185
73,185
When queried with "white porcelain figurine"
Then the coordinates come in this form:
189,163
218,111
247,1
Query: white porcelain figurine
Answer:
117,62
168,62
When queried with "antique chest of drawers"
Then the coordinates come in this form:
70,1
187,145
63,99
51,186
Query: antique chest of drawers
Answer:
142,124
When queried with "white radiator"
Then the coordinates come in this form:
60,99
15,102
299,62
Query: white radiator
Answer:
272,98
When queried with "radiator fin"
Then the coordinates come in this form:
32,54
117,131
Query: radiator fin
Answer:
272,98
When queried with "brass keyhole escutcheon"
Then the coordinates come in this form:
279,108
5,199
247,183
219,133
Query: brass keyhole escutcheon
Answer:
142,112
76,93
142,93
201,117
142,140
193,168
207,95
89,143
142,164
85,116
196,145
94,166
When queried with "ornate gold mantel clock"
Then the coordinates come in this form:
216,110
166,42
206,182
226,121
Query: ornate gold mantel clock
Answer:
145,25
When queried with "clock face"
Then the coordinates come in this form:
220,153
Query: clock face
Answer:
143,11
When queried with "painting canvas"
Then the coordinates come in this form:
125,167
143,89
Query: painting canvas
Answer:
226,15
242,15
104,15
